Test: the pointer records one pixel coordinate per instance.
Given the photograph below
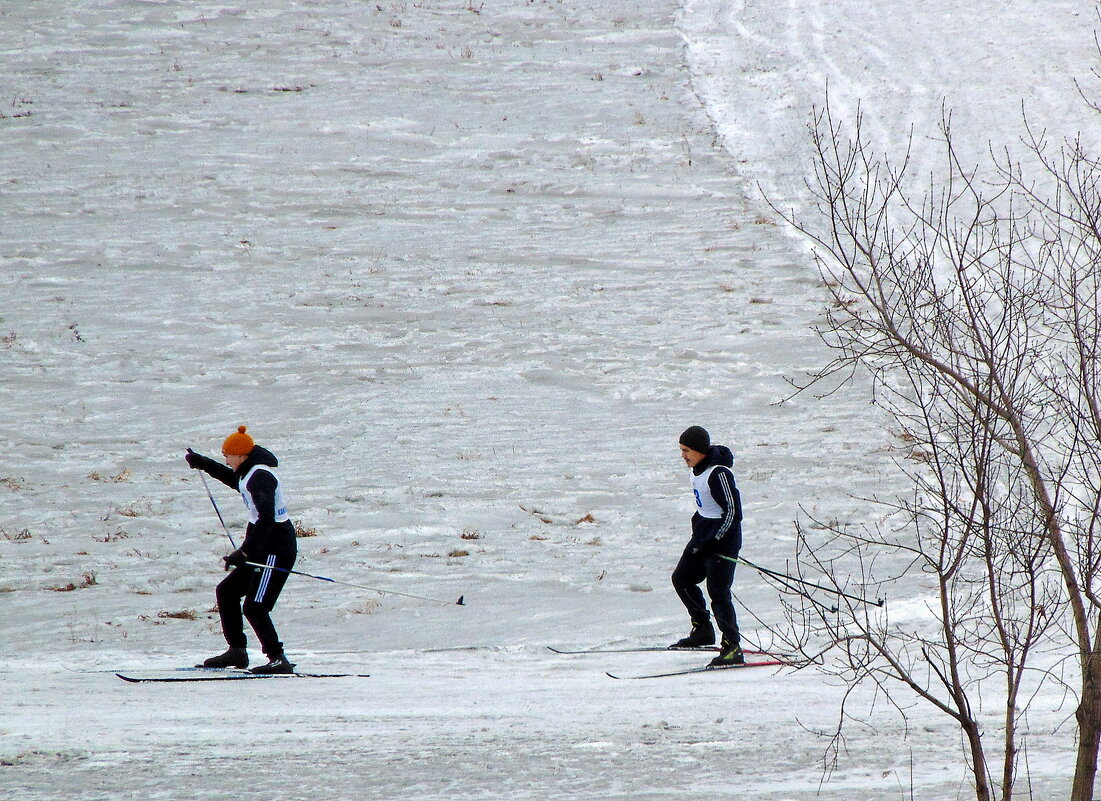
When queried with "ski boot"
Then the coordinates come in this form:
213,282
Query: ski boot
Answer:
703,633
233,658
730,654
278,665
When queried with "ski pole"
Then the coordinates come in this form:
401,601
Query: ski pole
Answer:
357,586
802,593
785,577
217,511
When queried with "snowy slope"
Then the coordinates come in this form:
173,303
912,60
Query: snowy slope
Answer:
468,269
761,66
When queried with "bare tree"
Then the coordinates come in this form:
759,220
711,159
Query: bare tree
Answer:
974,307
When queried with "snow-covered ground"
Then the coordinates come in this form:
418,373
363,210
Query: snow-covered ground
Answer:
468,269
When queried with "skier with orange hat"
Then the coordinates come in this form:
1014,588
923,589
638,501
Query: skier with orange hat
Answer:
269,541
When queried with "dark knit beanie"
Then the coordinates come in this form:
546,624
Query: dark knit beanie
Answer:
696,438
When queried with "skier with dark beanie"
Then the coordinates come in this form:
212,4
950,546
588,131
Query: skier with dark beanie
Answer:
716,532
269,541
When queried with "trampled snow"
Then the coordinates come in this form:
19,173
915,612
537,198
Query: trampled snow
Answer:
468,269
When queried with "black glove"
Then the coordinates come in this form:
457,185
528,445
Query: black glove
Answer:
194,460
235,559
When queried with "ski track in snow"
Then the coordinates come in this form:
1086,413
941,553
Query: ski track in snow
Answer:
468,269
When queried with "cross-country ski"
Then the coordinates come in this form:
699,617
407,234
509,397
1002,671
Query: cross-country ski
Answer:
638,649
648,649
705,669
216,674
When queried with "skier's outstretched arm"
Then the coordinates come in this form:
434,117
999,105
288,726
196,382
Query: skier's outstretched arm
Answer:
222,472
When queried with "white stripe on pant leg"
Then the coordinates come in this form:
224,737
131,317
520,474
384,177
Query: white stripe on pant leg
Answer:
265,578
728,515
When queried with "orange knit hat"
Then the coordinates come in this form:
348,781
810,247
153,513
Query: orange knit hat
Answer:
238,443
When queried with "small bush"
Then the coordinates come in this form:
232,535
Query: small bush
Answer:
87,580
300,530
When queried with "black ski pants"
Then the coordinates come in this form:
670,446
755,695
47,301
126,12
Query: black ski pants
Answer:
702,566
260,588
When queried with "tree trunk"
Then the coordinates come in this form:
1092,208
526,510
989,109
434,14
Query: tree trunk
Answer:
1089,730
1009,758
978,759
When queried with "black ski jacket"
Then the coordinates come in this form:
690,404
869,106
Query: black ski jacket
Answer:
723,535
265,536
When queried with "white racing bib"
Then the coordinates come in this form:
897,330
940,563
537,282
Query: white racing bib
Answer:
280,502
706,505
